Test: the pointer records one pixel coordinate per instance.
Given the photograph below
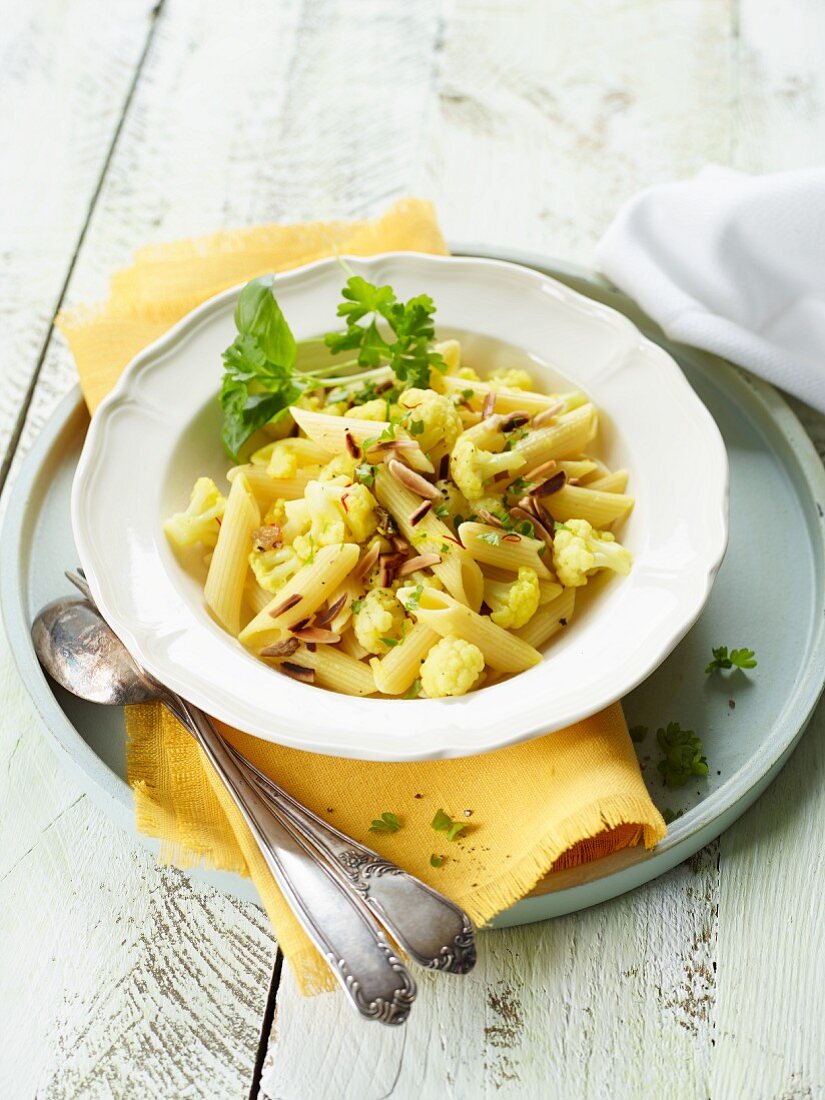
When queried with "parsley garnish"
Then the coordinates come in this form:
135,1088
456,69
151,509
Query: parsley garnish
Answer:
492,537
561,527
737,658
415,599
441,510
467,394
391,642
365,473
414,691
261,374
436,861
671,815
442,823
445,549
682,755
638,733
386,823
411,323
356,606
416,427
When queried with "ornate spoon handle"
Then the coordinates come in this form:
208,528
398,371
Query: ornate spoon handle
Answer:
429,927
374,979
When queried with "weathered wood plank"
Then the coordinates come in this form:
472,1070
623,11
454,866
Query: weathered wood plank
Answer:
65,75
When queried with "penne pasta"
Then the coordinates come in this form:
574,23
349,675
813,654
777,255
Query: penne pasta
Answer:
312,585
335,670
351,646
396,672
568,436
266,489
225,581
457,570
549,619
502,650
578,502
576,468
610,483
506,550
330,432
256,597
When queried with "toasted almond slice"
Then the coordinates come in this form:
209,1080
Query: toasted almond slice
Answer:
413,481
546,415
552,485
330,613
538,472
267,537
489,518
281,649
422,561
515,419
352,446
288,603
367,562
418,514
489,406
520,515
313,634
298,672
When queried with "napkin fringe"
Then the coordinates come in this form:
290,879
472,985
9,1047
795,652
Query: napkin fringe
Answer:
588,823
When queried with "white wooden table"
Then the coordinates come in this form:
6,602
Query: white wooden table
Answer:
528,122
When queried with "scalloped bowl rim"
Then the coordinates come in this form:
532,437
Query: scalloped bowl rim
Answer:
320,721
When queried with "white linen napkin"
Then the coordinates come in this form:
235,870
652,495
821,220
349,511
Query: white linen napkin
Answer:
734,264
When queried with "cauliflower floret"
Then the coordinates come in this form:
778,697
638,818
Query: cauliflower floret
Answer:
283,462
380,616
201,520
579,550
326,519
311,401
454,503
276,513
430,418
335,408
341,466
360,511
513,603
451,667
471,467
371,410
505,379
493,505
273,568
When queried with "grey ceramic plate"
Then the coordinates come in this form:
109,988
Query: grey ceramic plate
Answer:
769,595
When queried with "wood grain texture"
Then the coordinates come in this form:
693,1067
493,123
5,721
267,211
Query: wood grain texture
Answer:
65,76
528,122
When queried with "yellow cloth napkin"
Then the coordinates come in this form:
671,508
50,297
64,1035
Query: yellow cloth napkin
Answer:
531,809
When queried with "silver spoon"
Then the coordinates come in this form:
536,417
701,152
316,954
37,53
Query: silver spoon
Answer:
79,650
433,931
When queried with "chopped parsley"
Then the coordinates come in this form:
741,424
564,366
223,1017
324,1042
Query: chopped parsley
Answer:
441,510
443,823
737,658
682,755
561,527
365,473
436,861
491,537
391,642
356,606
671,815
415,599
386,823
414,691
416,427
468,394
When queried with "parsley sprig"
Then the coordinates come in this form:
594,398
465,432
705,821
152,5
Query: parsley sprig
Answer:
737,658
682,755
261,373
386,823
443,823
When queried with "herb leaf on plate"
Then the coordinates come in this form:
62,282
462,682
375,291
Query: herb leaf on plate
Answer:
682,755
737,658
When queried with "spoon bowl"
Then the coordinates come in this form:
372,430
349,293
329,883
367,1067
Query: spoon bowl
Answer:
80,651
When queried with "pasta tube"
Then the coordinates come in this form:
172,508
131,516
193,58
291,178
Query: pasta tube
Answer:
610,483
578,502
567,437
457,570
330,432
548,620
225,581
506,550
395,673
312,585
268,489
502,650
335,670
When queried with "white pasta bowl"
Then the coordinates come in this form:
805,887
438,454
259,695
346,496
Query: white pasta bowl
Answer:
159,429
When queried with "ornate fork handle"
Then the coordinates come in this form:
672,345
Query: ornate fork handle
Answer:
429,927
